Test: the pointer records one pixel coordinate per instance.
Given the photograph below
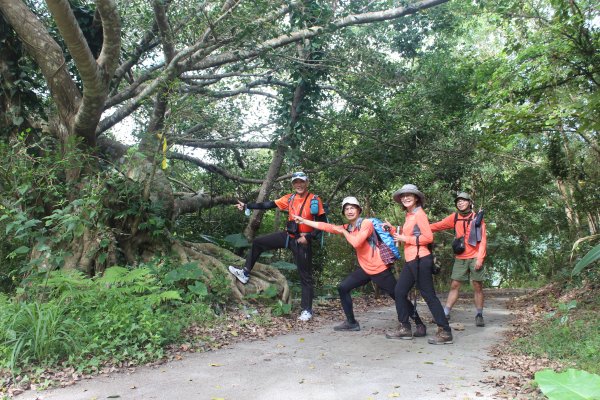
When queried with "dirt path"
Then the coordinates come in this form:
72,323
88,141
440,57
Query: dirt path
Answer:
321,365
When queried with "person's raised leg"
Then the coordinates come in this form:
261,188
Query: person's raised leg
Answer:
271,241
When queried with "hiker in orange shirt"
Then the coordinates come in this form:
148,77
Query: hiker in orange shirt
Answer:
470,249
359,232
416,235
296,237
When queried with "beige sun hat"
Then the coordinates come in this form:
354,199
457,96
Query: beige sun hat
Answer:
350,200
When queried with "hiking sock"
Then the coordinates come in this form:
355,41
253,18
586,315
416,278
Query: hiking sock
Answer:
480,311
447,311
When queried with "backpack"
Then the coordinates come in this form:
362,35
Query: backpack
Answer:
383,240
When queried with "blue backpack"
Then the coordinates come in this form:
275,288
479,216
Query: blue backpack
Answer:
383,240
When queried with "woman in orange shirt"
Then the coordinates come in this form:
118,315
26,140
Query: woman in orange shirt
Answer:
358,232
416,235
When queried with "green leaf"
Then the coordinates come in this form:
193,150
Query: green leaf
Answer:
22,250
237,240
199,289
590,257
572,384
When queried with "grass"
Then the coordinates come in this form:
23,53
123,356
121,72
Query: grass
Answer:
571,337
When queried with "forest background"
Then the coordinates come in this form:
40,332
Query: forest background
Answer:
103,241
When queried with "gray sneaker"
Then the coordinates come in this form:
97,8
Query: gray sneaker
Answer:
239,274
347,326
403,332
441,337
479,320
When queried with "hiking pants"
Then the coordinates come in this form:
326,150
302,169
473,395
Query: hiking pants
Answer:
408,278
385,280
302,259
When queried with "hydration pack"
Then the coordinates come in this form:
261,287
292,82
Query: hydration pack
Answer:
383,240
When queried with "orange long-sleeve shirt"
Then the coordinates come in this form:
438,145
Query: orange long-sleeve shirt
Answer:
416,217
370,261
478,251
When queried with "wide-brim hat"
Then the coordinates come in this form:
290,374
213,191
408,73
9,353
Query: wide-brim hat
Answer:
299,175
351,200
406,189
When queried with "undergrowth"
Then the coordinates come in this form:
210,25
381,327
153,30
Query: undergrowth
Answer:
569,333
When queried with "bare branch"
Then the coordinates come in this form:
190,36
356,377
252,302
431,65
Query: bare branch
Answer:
220,144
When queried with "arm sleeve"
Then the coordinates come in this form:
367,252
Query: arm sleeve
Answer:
261,206
446,223
325,227
426,234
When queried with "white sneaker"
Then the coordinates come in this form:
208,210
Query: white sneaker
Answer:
305,316
239,273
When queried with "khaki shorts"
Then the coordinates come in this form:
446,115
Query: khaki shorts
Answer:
463,269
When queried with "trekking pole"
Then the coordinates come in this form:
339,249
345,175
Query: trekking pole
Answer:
417,233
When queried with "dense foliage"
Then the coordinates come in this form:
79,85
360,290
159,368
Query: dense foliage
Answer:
223,99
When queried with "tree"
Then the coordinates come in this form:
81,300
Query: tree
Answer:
172,60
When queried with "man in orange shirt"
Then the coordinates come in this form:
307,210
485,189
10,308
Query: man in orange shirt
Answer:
297,237
470,252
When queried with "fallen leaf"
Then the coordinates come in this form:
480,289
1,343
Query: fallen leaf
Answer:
394,394
215,365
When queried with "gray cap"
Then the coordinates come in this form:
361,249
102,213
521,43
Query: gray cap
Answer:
462,195
408,188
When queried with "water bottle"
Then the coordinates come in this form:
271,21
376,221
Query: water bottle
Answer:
247,212
314,206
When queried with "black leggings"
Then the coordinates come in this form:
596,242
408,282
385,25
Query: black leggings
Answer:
302,259
408,278
385,280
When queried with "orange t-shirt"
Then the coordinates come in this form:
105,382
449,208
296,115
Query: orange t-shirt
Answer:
293,208
370,261
478,251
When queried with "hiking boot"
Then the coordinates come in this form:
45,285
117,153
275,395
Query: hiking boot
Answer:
239,274
420,331
479,320
441,337
305,316
403,332
347,326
